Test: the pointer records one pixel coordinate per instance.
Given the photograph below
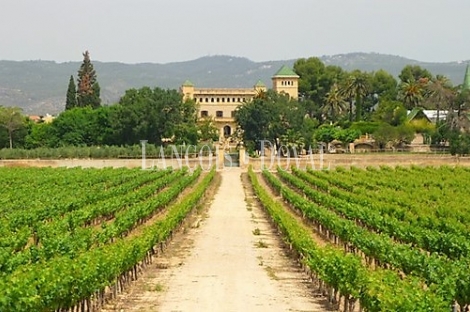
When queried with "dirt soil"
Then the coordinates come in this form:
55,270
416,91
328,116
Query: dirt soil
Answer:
228,259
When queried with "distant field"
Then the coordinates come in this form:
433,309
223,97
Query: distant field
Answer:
316,161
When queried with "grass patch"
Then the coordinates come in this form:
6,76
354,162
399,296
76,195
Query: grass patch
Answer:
271,273
159,288
256,231
261,244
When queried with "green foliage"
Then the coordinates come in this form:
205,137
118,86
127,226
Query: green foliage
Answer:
355,89
144,114
269,118
335,106
461,101
71,97
307,131
44,276
422,126
326,133
11,121
207,130
154,115
365,127
102,152
391,112
347,135
411,93
376,289
459,143
40,135
293,141
442,133
384,85
396,136
440,94
76,127
316,80
414,73
88,89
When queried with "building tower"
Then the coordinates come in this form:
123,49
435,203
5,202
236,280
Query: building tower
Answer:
285,80
466,80
260,87
187,89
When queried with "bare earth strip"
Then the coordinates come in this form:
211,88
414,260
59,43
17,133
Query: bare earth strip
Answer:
231,261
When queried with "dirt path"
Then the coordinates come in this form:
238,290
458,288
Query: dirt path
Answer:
231,261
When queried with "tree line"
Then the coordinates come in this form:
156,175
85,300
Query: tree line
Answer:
333,104
156,115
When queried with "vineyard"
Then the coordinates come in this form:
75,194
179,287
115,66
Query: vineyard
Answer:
373,239
377,239
72,238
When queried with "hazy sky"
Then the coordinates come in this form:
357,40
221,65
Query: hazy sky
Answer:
155,31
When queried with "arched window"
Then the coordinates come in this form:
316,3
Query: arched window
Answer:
227,131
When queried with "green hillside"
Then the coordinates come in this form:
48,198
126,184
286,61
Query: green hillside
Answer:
39,87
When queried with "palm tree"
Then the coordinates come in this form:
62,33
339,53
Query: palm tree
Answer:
335,104
356,89
440,93
411,93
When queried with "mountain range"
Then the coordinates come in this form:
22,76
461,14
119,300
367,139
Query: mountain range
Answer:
39,87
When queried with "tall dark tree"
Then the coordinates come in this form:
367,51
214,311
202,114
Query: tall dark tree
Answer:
88,93
71,99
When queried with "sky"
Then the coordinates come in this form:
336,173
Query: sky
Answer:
153,31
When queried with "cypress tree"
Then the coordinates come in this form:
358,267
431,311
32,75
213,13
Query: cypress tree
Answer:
88,93
71,100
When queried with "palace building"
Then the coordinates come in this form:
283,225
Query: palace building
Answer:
221,103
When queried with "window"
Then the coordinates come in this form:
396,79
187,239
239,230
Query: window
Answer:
223,100
228,100
233,100
212,100
204,114
233,114
207,100
227,131
219,114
